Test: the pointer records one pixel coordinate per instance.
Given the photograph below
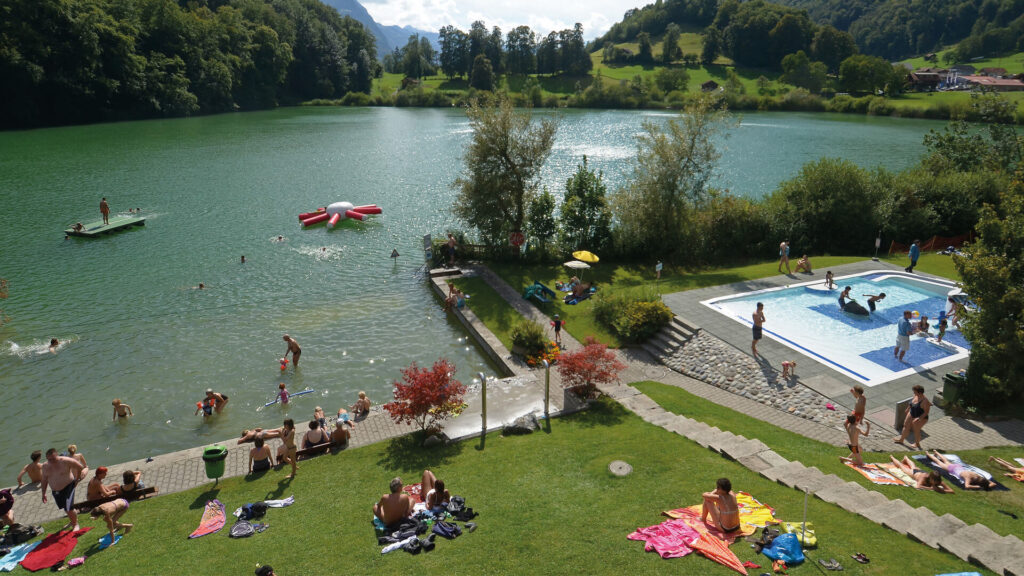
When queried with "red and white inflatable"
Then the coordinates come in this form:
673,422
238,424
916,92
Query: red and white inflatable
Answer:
336,213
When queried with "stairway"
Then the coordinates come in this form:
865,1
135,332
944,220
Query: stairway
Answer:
670,338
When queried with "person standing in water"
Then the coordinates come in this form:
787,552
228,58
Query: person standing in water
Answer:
105,210
294,349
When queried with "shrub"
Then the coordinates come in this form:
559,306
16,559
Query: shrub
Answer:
357,99
427,397
633,315
529,336
589,366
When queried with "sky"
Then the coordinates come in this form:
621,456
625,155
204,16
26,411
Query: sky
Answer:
542,16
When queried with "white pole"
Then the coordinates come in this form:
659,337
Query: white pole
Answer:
547,387
483,403
804,537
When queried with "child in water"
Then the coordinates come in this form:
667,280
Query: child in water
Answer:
282,393
121,410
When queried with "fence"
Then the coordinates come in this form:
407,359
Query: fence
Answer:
933,243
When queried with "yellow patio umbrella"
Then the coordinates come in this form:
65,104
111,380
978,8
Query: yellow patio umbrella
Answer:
585,256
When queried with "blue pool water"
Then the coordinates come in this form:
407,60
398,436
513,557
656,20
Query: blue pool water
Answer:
807,318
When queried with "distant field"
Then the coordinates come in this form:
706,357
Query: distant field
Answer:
1013,63
926,99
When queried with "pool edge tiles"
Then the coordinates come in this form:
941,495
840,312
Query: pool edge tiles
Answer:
846,360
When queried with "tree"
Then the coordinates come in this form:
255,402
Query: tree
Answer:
454,58
427,397
482,77
575,60
993,275
669,79
832,47
798,70
586,216
865,74
548,55
670,50
541,223
503,165
520,51
495,51
644,54
583,370
671,176
712,45
961,146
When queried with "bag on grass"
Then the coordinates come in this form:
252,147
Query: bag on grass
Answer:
786,548
242,529
254,510
456,505
19,533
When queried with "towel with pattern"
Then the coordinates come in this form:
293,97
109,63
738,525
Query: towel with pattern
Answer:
753,515
876,474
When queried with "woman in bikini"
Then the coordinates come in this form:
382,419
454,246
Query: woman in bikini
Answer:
924,480
259,457
288,454
1015,472
917,417
435,494
721,505
972,480
112,512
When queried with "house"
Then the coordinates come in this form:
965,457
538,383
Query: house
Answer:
709,86
994,72
996,84
924,81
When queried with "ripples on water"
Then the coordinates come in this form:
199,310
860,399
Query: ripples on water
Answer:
215,188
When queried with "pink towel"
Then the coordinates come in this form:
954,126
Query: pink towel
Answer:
52,550
670,539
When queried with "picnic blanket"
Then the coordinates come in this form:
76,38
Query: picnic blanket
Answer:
213,519
753,515
17,554
877,474
415,491
52,550
678,537
956,479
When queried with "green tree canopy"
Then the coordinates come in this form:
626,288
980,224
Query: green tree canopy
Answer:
482,77
670,50
798,70
541,223
586,216
502,170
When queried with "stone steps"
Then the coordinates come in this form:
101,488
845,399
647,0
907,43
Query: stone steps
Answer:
670,338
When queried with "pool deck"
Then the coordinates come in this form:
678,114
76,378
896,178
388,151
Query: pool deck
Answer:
881,398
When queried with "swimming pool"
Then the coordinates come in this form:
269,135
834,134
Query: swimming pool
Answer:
806,317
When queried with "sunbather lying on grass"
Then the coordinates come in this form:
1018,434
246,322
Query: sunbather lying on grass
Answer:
925,480
972,480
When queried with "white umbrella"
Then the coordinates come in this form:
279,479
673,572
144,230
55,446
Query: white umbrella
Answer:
577,265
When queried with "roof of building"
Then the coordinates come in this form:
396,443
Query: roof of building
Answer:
990,81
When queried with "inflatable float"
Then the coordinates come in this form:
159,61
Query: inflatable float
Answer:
852,307
336,213
290,396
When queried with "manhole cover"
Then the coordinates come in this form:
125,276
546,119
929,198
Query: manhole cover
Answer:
620,468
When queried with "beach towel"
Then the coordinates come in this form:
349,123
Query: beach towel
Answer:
956,479
17,554
104,542
213,519
52,550
898,473
414,491
753,515
280,503
670,539
876,474
1019,461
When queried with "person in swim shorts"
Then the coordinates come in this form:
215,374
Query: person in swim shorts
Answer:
758,322
720,504
61,474
33,469
121,410
855,433
860,402
105,210
112,512
394,506
293,349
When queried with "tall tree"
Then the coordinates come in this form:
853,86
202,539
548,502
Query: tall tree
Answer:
502,169
586,216
644,50
520,51
670,50
548,55
712,47
495,51
832,47
482,76
478,38
575,59
798,70
541,223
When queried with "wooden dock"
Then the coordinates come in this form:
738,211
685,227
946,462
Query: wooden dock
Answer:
94,229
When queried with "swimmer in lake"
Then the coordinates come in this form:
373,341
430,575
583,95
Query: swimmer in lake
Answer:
279,239
121,410
54,344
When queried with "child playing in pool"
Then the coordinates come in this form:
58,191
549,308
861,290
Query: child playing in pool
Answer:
121,410
282,393
829,283
943,324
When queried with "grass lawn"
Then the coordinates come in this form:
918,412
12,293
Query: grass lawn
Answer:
971,507
491,308
547,504
927,99
1013,63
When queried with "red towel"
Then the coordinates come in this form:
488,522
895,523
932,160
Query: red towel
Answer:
52,550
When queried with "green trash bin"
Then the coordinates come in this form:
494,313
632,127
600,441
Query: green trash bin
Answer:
952,387
214,457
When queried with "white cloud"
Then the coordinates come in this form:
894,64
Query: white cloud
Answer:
542,16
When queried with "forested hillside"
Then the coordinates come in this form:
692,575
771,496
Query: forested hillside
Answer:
72,61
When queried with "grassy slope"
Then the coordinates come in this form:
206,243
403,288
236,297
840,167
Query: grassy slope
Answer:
580,321
970,507
1014,63
547,503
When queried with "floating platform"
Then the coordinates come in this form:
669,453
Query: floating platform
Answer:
94,229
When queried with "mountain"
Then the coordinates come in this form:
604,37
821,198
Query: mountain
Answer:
388,37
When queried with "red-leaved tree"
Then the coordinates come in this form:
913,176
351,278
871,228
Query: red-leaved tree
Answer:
426,397
584,369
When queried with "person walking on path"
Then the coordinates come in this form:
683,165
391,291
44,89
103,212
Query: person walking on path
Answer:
915,253
294,349
784,256
758,322
917,417
61,474
105,210
557,323
904,329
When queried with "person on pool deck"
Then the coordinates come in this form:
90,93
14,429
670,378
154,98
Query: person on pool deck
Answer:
288,451
394,506
435,495
362,405
855,432
78,227
121,410
33,469
914,254
340,435
917,417
112,512
97,489
720,504
259,456
873,298
105,210
343,418
252,435
130,481
829,282
943,324
60,474
860,403
73,453
803,265
759,320
904,329
315,436
784,256
924,480
293,349
972,480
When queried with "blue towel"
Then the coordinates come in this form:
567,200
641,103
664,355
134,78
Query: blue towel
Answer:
104,542
16,555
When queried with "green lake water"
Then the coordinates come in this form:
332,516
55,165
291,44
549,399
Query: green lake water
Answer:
215,188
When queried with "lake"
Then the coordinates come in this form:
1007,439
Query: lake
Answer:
216,188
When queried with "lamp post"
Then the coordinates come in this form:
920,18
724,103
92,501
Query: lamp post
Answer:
547,387
483,404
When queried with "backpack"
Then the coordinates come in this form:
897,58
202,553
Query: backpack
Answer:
456,505
255,510
19,533
242,529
